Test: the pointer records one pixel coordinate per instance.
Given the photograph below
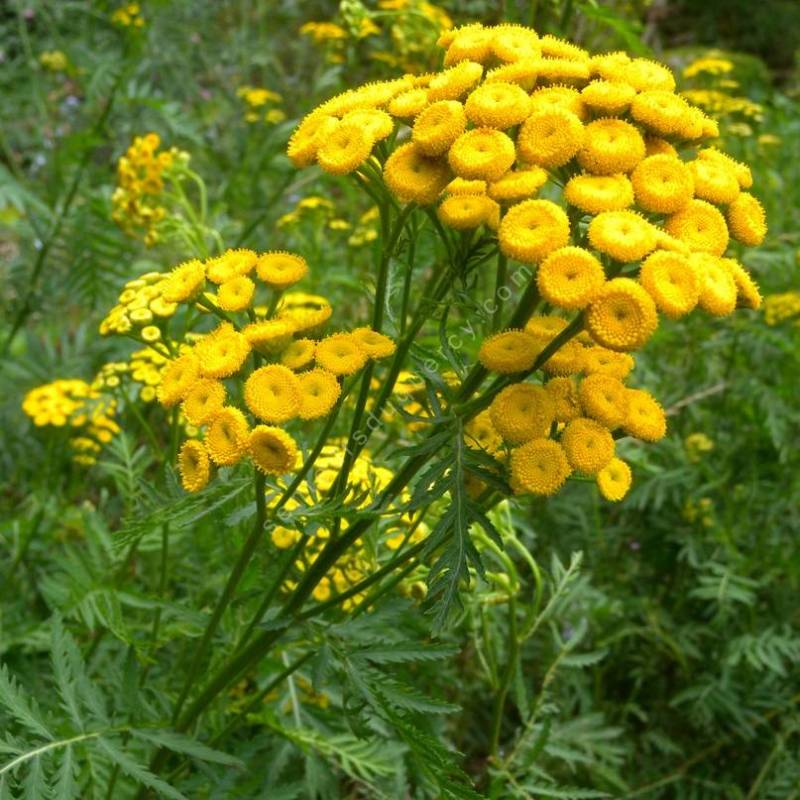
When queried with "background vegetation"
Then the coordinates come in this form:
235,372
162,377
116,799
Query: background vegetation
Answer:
663,649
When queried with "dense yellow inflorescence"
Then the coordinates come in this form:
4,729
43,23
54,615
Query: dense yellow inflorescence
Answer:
81,407
570,422
137,201
642,217
242,382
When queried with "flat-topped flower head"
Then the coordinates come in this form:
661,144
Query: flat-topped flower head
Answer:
564,391
467,211
645,419
185,282
177,379
482,153
622,316
570,277
231,264
588,444
203,401
614,480
236,294
550,137
604,398
272,393
273,450
269,336
747,220
718,288
227,436
319,391
671,281
280,270
308,313
222,352
662,184
341,354
611,146
714,181
299,354
414,177
700,226
522,411
624,235
531,230
498,105
509,352
345,148
438,126
374,344
539,467
597,193
608,97
516,185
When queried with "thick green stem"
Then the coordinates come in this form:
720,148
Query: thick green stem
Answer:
235,576
500,284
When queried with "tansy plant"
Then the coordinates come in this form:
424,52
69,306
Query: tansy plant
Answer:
569,200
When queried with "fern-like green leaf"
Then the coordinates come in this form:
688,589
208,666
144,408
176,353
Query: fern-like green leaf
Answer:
20,706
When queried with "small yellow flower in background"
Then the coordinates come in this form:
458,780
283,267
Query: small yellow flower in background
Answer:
83,408
713,66
54,60
137,200
128,16
696,445
781,307
261,104
323,31
701,511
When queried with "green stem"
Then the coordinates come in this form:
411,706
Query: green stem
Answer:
235,576
284,498
162,590
508,676
500,282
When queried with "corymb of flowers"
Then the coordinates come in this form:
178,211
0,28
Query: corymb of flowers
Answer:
595,173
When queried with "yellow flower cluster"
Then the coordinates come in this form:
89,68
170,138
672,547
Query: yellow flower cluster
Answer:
696,445
702,511
141,309
80,406
365,481
639,218
722,104
321,32
780,307
568,423
145,367
295,374
712,87
513,111
710,65
261,104
54,60
318,212
128,16
401,33
136,200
